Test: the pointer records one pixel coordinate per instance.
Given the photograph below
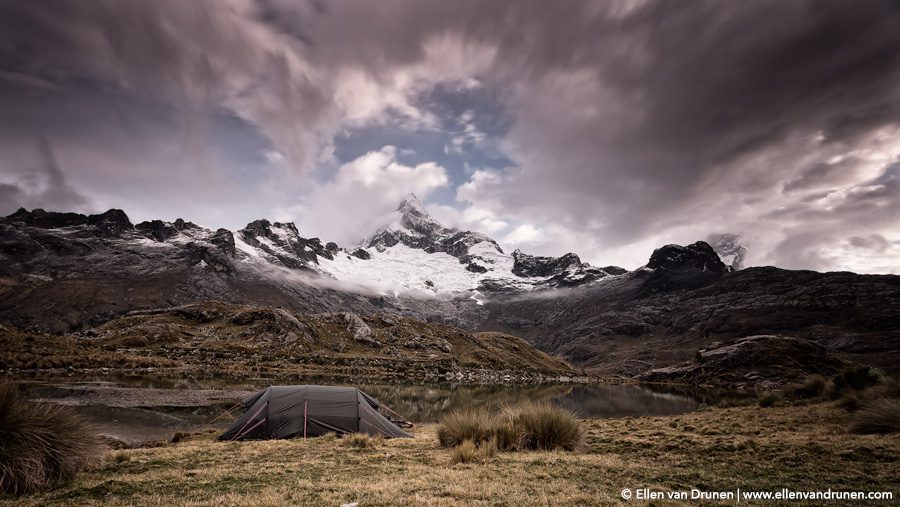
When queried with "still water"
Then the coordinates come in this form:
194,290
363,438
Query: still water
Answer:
138,410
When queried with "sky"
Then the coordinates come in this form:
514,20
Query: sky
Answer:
602,128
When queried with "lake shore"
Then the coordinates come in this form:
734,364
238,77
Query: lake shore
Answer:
802,448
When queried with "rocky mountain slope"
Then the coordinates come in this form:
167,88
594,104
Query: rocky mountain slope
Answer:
214,338
686,299
763,362
63,271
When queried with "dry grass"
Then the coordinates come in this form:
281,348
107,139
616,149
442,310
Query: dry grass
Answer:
473,425
465,452
878,416
524,426
544,427
40,445
802,448
362,440
470,452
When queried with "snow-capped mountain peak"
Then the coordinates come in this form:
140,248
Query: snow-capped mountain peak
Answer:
413,207
414,251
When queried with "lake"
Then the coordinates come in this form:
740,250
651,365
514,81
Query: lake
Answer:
138,410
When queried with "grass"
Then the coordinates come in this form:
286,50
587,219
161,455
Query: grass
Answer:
470,452
469,425
877,416
362,440
40,445
798,447
525,426
542,426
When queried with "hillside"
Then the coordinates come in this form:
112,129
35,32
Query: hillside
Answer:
658,317
214,338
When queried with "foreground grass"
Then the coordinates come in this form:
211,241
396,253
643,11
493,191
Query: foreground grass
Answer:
797,447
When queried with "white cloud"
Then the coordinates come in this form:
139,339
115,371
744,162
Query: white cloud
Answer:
362,195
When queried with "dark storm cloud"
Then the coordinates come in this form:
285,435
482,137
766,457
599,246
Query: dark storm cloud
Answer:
43,185
628,123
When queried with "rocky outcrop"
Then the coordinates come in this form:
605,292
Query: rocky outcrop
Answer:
109,223
319,249
762,362
361,253
565,271
361,331
157,230
282,242
697,256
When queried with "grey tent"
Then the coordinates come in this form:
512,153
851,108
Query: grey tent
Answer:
299,411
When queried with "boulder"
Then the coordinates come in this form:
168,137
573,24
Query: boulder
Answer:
752,362
361,331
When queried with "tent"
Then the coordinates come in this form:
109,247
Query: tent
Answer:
301,411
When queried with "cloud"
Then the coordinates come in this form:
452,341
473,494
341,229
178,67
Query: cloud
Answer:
628,124
363,194
44,186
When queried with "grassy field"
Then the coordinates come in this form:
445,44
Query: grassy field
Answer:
752,448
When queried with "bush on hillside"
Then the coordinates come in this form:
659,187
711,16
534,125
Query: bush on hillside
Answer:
40,445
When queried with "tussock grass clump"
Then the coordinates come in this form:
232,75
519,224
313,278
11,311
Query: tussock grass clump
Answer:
858,378
813,387
541,426
40,445
470,452
526,426
465,452
475,425
769,399
362,440
119,457
877,416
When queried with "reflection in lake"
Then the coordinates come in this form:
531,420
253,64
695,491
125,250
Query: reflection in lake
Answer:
427,403
137,410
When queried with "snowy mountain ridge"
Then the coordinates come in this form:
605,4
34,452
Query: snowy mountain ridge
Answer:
415,252
412,253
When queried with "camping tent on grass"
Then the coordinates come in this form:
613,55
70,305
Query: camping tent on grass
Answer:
301,411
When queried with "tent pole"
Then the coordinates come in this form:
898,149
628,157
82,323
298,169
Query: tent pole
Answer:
305,405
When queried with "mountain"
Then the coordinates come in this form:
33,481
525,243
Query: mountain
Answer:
413,252
730,249
67,272
64,271
686,300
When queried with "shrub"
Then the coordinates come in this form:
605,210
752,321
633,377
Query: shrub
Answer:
465,452
813,387
877,416
545,427
40,445
120,457
487,450
362,440
850,402
476,425
858,378
769,399
527,425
